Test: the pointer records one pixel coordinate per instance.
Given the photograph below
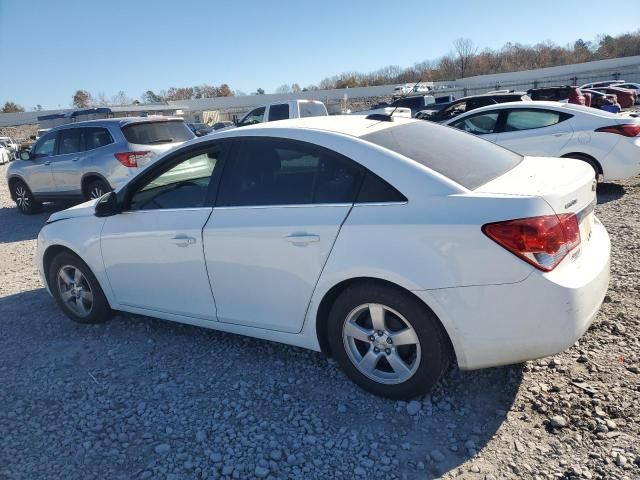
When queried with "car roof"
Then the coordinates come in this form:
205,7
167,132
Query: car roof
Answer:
121,122
567,107
351,125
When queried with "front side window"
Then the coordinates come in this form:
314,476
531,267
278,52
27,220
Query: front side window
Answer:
454,110
185,185
478,124
71,141
278,112
46,146
254,116
96,137
528,119
282,172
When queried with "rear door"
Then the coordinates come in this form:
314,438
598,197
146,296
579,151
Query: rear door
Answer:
280,206
67,165
535,131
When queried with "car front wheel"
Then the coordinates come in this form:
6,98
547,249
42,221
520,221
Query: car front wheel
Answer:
96,189
76,290
387,341
25,201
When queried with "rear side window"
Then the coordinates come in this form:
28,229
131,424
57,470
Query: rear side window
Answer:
278,112
97,137
312,109
276,172
465,159
150,133
530,119
71,141
376,190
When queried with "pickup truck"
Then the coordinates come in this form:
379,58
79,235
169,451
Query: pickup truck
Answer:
283,110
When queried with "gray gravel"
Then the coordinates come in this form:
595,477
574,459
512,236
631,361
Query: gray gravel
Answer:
145,398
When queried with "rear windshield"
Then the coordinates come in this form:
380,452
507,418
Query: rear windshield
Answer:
151,133
312,109
462,157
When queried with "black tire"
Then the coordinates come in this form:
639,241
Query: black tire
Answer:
431,356
96,189
25,201
98,310
586,158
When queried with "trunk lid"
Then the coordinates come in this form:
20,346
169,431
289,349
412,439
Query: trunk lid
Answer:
567,185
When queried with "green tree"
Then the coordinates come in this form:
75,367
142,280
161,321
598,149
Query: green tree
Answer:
12,107
150,97
260,91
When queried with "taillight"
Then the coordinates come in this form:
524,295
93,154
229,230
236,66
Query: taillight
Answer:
628,130
541,241
130,159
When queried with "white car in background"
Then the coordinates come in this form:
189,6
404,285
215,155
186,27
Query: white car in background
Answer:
5,154
395,246
609,143
284,110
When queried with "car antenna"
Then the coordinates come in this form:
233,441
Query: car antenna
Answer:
384,117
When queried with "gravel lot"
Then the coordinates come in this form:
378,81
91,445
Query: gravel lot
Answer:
145,398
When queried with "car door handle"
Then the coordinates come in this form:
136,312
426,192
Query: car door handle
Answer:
302,238
48,162
183,240
558,134
75,159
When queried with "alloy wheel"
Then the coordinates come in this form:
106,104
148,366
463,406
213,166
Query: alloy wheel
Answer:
22,198
381,343
75,290
96,192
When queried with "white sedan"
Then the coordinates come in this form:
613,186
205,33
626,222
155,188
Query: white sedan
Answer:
609,143
395,246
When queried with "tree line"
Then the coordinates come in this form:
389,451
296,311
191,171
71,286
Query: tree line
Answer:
464,60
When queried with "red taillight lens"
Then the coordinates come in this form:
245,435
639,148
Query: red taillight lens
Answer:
130,159
541,241
629,130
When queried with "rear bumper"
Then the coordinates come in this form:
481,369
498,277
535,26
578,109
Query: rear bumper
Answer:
623,161
542,315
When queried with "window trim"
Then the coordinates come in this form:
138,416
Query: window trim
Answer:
125,195
502,122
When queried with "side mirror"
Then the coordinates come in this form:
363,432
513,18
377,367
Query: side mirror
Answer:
25,155
32,137
107,205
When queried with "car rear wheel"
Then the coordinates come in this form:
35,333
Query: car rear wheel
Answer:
24,199
387,341
96,189
76,290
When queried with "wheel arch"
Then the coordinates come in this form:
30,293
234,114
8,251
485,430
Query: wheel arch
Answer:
586,157
324,308
48,256
89,177
13,179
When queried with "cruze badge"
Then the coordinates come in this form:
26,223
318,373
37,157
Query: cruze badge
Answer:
571,203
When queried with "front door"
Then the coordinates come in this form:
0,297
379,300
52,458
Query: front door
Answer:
280,207
153,251
37,171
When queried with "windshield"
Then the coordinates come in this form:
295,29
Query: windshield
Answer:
464,158
149,133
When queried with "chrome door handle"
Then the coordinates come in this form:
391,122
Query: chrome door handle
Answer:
183,240
302,238
75,159
48,162
558,134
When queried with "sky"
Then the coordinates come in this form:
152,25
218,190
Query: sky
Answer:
50,49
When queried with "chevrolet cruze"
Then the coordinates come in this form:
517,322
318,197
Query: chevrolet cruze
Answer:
394,245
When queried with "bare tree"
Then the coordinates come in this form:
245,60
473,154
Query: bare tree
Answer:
81,99
283,89
295,88
121,98
465,50
100,100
